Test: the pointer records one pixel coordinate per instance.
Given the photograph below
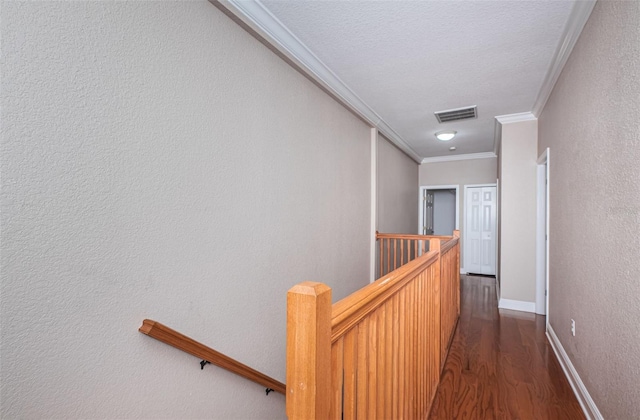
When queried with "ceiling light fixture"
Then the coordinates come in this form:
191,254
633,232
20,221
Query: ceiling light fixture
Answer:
445,135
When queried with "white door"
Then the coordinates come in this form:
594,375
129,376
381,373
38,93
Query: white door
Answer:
444,212
480,230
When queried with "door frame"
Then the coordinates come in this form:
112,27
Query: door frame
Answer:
542,235
464,237
437,187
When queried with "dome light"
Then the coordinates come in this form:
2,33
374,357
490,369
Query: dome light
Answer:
445,135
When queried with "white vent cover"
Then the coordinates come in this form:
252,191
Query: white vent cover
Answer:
457,114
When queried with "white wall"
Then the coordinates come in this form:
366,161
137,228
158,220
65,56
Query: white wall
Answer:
158,162
461,172
397,190
518,211
591,126
444,212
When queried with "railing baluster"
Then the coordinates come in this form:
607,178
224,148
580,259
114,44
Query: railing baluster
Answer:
380,368
337,377
395,258
388,361
402,371
372,364
363,370
350,373
395,343
381,258
388,254
421,345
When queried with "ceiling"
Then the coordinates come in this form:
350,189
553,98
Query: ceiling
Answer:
395,63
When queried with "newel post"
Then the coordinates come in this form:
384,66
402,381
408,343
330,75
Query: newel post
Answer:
309,351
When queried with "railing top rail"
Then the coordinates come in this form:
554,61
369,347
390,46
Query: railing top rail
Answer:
410,236
182,342
444,247
350,310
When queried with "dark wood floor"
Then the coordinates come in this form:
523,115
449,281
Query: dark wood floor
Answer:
501,365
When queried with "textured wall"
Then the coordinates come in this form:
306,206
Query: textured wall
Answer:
518,211
397,190
159,162
460,172
591,124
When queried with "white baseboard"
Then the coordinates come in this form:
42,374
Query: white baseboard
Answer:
463,271
517,305
588,406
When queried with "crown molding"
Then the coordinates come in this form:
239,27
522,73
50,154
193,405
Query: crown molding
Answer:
450,158
577,19
513,118
265,25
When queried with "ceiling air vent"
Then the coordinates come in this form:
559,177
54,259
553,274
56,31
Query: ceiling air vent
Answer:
457,114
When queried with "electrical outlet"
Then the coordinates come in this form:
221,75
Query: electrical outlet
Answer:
573,328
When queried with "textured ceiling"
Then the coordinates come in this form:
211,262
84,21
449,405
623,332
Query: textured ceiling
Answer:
408,59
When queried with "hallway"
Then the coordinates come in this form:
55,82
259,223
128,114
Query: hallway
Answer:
500,365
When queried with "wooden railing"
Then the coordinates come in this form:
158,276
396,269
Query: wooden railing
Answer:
377,353
395,250
180,341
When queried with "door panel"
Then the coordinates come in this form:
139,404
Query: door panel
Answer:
475,253
480,255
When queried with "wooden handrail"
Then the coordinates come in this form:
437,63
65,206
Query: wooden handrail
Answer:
182,342
410,236
350,310
449,244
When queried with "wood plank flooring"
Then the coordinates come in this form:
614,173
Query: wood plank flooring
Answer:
501,365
